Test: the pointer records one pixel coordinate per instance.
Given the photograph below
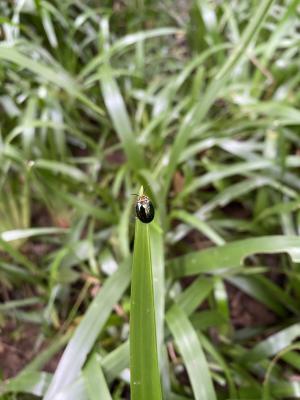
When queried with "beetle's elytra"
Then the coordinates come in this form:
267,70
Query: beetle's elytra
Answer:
144,209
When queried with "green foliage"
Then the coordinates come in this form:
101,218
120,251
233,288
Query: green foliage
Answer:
199,103
145,377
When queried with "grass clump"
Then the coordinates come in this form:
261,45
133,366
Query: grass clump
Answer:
198,102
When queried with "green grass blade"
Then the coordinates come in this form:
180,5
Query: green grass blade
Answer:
285,390
13,304
206,319
45,355
17,234
88,330
272,345
32,382
267,386
273,43
94,380
224,172
193,296
190,348
157,257
211,349
76,390
61,168
17,256
48,26
198,224
197,114
261,292
145,377
231,255
59,78
84,205
253,27
122,44
234,191
117,110
116,361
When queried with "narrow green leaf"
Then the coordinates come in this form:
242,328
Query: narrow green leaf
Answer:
267,387
17,256
231,255
224,172
199,112
49,28
292,358
222,303
279,208
145,377
236,190
120,118
249,33
158,263
86,334
57,77
193,296
94,380
45,355
282,27
61,168
197,223
116,361
286,390
75,390
121,44
29,301
27,129
272,345
192,353
17,234
207,319
265,292
83,205
210,348
32,382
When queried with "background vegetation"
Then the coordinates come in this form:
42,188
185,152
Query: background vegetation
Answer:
199,102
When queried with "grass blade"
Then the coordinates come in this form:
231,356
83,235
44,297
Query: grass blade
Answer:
193,296
197,223
198,113
94,380
232,254
58,78
116,361
145,378
251,30
192,353
157,257
118,113
122,44
31,382
17,256
17,234
74,391
87,332
272,345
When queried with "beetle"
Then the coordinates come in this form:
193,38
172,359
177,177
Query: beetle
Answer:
144,209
